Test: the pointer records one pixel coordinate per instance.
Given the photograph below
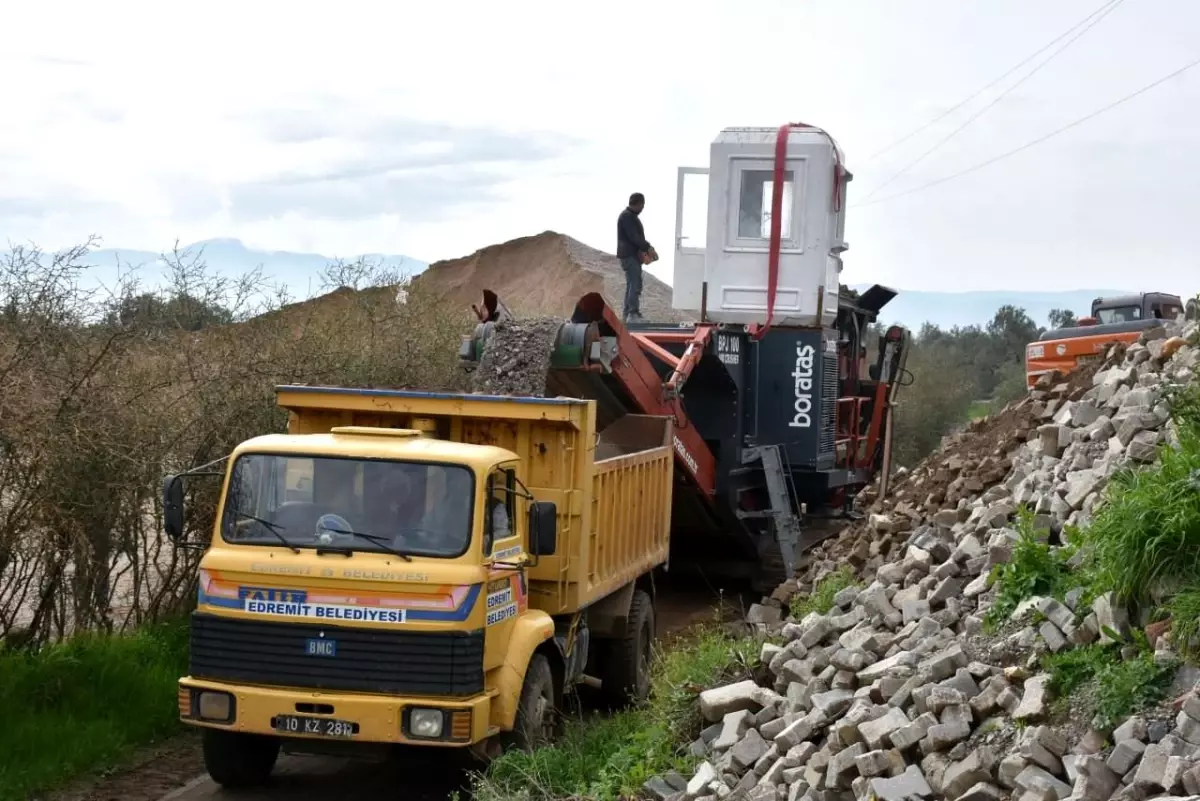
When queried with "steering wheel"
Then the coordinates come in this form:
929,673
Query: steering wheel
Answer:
325,532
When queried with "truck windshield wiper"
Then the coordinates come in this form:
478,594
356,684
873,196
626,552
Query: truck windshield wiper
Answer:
373,538
270,526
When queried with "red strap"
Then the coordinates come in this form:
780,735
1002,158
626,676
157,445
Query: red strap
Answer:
781,143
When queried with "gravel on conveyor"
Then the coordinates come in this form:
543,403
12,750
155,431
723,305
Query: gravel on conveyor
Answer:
516,360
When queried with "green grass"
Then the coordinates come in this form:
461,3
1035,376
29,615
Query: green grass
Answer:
1119,686
85,705
1185,622
1145,540
979,408
607,758
820,600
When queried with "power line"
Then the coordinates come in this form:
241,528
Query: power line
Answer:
1104,13
1040,139
983,89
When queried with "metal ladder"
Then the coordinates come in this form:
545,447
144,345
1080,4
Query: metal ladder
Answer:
780,491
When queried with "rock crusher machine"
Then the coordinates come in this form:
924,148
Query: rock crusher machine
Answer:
781,417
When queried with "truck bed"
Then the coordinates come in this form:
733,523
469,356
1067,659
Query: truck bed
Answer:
613,490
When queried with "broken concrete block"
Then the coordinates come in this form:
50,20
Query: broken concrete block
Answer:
718,702
908,785
1152,767
1125,755
1039,779
876,733
705,775
748,751
975,768
1033,700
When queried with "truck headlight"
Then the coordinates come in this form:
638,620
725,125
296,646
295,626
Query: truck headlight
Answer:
425,723
214,706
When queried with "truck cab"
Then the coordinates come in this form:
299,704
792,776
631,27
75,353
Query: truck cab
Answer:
1134,308
416,569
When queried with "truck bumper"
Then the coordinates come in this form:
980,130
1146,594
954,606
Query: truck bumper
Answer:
371,718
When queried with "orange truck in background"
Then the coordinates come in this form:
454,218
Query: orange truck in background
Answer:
1115,319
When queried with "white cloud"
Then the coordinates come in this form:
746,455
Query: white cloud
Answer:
434,129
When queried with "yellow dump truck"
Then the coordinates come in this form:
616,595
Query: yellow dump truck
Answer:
424,569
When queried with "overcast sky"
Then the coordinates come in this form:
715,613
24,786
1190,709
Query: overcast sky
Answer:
432,129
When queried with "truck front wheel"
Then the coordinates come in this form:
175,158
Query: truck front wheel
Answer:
537,715
234,759
625,661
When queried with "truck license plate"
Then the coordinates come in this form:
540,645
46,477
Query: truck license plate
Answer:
320,727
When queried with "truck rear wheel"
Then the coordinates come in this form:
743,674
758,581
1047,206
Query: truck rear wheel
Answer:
625,661
537,714
234,759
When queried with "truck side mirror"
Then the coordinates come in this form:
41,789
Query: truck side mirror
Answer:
173,507
543,528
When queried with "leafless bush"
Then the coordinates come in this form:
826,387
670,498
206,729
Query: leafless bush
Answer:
103,392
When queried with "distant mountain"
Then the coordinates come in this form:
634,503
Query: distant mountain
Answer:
300,272
947,309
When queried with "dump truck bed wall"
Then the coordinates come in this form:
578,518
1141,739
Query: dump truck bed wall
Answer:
613,492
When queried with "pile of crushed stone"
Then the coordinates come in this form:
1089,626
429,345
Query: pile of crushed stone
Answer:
897,692
516,359
970,464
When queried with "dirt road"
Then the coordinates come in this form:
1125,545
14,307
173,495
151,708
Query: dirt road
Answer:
307,778
174,772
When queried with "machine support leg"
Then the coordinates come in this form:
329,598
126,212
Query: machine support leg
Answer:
787,524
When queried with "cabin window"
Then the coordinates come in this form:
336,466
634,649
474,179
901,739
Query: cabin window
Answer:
377,505
1119,314
754,204
501,508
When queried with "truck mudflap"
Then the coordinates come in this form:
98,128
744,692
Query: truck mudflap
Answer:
343,718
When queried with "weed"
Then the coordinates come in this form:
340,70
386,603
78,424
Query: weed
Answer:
820,600
1120,686
85,704
1145,540
610,758
1035,569
1185,621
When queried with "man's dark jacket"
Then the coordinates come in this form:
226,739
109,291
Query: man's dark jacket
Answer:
631,237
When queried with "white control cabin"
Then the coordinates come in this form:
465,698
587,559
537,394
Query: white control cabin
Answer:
721,257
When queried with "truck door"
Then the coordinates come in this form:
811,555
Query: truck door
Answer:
506,592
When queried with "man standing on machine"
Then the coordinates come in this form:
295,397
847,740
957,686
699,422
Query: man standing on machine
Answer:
634,251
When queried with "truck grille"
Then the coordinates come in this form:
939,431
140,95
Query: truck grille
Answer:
367,660
829,396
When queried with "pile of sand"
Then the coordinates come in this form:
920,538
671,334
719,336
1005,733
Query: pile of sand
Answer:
543,275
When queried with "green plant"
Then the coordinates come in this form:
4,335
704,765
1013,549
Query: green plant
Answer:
1035,568
1119,686
1144,542
86,704
820,600
1184,609
610,758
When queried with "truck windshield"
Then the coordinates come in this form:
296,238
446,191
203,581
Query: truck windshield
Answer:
1119,314
355,504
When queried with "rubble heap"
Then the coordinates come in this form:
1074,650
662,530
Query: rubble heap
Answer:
897,693
1052,450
